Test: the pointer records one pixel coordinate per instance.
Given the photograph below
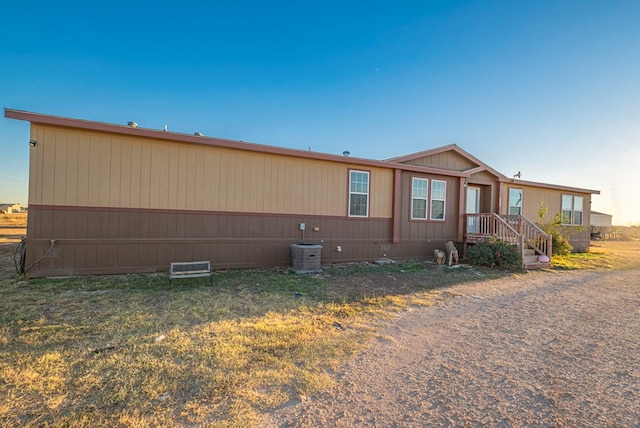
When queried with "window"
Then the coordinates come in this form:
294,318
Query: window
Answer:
358,193
577,210
438,198
419,198
572,210
567,209
515,201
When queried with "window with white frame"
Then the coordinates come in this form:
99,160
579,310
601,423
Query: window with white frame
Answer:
567,209
419,188
515,201
578,202
572,210
358,193
438,199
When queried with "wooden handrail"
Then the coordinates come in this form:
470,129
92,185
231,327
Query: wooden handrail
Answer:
532,234
489,224
515,229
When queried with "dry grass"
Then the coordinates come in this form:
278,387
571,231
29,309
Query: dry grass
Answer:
19,219
603,255
12,227
132,350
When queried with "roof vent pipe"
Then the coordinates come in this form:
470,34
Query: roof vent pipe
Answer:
132,124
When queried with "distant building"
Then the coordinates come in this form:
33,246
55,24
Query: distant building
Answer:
10,208
601,225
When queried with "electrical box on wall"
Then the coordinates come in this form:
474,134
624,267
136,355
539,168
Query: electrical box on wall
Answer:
303,226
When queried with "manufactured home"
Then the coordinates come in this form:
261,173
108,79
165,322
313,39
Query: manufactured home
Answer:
107,198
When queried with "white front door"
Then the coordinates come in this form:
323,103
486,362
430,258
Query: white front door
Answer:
473,207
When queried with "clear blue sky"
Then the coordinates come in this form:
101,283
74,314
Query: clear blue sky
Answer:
548,88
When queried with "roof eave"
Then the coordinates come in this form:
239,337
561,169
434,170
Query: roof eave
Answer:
212,141
550,186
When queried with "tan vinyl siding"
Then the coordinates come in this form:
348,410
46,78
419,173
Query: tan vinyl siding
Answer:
531,197
381,193
483,177
87,168
578,236
447,160
551,198
35,167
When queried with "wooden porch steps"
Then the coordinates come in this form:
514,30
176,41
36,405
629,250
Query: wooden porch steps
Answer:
536,265
530,260
531,240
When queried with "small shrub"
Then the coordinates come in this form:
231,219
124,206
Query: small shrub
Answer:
495,253
559,244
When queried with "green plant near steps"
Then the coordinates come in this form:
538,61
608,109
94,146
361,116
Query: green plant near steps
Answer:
495,253
559,244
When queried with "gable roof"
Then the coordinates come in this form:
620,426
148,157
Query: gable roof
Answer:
479,166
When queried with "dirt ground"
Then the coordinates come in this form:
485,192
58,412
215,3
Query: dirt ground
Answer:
548,349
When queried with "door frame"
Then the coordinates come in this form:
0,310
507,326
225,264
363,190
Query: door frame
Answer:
472,223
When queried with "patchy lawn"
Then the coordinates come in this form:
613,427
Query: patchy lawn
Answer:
602,255
133,350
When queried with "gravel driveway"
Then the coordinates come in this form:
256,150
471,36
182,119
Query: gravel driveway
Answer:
541,349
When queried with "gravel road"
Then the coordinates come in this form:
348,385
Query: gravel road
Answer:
547,348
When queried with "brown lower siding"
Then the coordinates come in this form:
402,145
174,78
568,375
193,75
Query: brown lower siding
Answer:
579,237
110,241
